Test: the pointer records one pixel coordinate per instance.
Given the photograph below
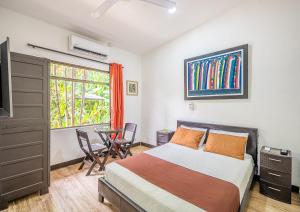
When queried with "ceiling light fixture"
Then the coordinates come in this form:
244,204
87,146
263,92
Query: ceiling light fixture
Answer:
107,4
95,14
172,10
168,4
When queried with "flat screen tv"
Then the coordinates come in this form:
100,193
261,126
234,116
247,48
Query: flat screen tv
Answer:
6,109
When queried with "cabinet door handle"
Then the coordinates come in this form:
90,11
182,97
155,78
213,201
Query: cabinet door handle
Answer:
272,159
276,175
275,189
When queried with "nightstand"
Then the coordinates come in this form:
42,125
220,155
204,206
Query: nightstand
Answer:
163,136
275,174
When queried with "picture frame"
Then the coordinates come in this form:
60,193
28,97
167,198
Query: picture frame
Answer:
131,88
218,75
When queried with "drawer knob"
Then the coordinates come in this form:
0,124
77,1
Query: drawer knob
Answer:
272,159
275,189
276,175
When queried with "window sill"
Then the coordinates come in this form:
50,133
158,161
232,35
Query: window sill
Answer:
82,126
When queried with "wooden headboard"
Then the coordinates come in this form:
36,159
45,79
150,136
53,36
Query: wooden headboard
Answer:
252,144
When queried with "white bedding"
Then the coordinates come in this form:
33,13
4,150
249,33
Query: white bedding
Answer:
153,198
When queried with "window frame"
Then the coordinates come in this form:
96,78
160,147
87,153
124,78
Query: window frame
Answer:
76,80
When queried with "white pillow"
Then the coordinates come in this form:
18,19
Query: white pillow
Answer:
229,133
197,129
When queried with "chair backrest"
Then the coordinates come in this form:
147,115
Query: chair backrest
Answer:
130,127
83,140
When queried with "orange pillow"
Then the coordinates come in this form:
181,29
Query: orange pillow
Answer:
229,145
187,137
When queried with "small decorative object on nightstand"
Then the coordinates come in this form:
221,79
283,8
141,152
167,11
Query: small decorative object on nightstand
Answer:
163,136
275,173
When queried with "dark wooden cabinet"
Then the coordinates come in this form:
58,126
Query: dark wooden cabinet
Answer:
275,174
24,138
163,136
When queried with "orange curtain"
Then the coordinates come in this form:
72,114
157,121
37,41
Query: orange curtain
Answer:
117,99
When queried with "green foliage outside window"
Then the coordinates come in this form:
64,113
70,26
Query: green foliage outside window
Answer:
78,96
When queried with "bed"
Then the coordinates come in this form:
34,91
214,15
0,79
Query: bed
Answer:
128,191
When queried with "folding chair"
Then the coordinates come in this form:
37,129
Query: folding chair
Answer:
123,145
93,152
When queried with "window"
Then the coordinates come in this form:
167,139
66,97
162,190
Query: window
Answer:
78,96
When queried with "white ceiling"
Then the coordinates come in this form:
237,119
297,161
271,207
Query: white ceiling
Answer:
130,24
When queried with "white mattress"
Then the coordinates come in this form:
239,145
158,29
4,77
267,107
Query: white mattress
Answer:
152,198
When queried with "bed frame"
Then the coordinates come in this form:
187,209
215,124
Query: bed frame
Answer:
124,204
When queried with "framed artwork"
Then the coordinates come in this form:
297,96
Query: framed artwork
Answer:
218,75
131,88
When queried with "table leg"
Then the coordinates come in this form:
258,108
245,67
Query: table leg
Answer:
117,150
102,165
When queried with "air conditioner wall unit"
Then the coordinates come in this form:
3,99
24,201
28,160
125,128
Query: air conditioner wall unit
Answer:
86,46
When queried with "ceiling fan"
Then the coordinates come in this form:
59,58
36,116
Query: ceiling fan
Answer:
107,4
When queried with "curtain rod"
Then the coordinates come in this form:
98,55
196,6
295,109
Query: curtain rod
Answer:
65,53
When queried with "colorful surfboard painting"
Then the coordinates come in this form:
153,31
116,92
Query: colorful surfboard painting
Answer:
219,75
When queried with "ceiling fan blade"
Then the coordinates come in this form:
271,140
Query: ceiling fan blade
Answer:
106,5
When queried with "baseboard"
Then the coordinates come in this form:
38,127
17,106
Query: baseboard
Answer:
147,145
256,178
294,188
77,160
67,163
136,144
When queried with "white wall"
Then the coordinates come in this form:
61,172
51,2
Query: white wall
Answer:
22,30
272,29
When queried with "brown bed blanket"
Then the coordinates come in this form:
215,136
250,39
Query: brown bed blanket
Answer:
206,192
